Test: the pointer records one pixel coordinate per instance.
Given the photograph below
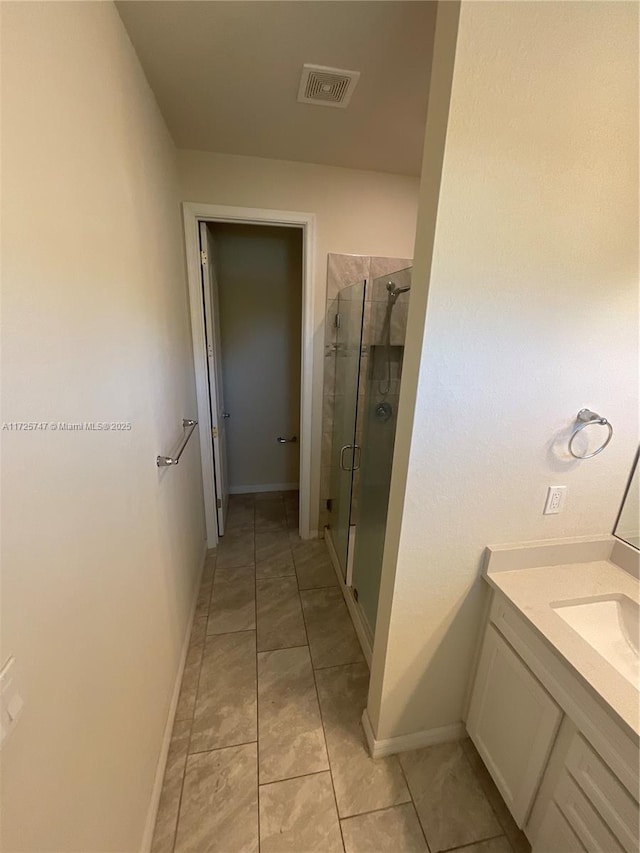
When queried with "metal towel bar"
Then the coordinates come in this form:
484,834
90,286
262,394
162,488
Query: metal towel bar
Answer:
585,418
188,426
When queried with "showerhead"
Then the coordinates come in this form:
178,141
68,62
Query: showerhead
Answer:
396,291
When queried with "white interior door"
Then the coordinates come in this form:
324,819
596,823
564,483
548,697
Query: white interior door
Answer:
214,357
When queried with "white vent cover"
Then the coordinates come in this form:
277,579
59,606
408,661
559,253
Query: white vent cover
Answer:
327,87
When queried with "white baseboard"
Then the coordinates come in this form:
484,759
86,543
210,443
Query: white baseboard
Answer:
266,487
152,813
415,740
362,631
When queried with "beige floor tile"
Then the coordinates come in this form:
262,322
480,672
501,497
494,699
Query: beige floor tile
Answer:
167,818
244,500
517,838
236,548
189,686
279,614
239,517
270,514
313,564
299,816
294,537
291,739
225,574
225,710
292,512
451,805
198,631
219,809
492,845
395,830
273,555
332,638
209,566
204,598
233,605
361,783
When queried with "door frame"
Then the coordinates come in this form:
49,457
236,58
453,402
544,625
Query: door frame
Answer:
193,214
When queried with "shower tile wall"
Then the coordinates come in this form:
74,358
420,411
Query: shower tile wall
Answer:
343,271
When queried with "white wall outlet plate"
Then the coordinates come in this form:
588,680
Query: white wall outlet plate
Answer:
555,500
11,702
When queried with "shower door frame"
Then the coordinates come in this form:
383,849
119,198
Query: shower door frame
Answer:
193,214
346,577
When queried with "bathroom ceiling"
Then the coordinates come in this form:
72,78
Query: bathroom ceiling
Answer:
226,75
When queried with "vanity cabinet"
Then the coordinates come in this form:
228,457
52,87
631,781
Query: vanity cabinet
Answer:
556,836
565,767
580,798
513,722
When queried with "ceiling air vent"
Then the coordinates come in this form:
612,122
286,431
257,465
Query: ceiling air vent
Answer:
328,87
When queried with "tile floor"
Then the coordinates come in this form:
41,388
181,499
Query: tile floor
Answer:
267,752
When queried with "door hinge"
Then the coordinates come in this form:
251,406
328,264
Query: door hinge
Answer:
219,503
203,257
338,320
210,350
355,593
214,432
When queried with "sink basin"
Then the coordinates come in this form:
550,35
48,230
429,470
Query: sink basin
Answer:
610,624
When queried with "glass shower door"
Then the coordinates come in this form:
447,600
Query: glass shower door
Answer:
384,338
343,454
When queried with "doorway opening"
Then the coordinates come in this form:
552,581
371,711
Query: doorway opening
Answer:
252,288
249,281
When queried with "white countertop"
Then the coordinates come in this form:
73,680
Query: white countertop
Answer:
532,590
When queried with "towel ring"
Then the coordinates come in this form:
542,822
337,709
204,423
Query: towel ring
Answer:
584,419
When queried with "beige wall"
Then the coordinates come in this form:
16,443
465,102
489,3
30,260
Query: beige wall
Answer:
100,549
259,270
532,314
357,212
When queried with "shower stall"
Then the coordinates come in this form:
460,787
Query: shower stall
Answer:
368,323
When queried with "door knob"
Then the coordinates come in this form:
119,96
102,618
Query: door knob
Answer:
282,440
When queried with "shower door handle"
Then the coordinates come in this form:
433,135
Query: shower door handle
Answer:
359,449
342,450
352,447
